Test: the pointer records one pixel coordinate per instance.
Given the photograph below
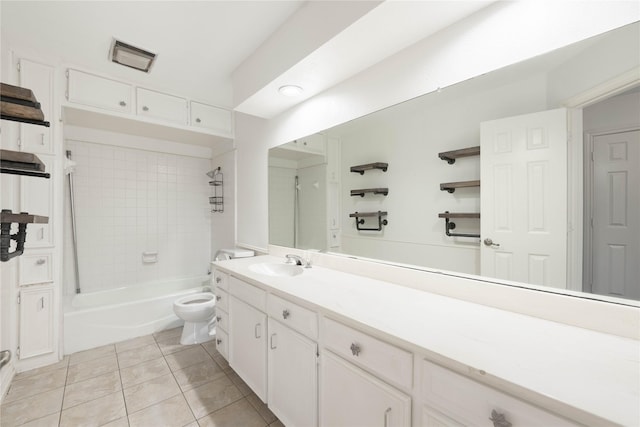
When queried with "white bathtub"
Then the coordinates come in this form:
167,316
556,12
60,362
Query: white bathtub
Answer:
104,317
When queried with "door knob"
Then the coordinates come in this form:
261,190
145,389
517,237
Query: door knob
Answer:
489,242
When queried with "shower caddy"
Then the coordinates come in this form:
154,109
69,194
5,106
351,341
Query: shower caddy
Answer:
217,182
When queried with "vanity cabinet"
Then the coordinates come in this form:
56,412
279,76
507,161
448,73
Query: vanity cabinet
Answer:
220,287
36,321
161,106
248,335
95,91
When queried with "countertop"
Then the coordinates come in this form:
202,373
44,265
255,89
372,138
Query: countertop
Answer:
594,372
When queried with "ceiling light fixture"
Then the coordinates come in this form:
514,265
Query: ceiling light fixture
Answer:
131,56
290,90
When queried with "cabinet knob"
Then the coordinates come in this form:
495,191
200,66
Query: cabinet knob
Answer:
218,318
198,120
218,279
285,313
145,108
218,298
41,261
123,104
218,341
499,420
355,349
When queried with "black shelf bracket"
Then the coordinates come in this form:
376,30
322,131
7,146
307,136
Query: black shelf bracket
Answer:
360,220
450,225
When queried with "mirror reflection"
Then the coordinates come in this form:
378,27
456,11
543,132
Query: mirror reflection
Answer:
529,174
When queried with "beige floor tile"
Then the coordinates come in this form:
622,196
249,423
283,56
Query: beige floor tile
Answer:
138,355
196,375
27,374
172,345
169,413
239,413
167,333
120,422
32,408
242,386
36,384
222,362
93,388
144,371
212,396
134,343
186,358
193,424
276,423
93,368
151,392
95,412
48,421
92,354
262,408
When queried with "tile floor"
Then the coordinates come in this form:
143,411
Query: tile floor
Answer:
148,381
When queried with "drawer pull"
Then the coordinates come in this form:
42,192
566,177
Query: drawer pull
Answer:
42,139
273,342
218,298
40,261
123,104
198,120
387,413
257,330
218,318
218,341
285,313
355,349
499,420
218,279
145,108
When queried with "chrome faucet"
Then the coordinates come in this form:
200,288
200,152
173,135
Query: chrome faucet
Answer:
298,260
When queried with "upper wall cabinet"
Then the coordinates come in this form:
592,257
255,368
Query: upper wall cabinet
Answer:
94,91
39,78
161,106
209,117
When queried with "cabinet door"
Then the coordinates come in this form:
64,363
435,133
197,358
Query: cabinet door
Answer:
293,376
36,197
248,345
36,322
95,91
38,78
210,117
350,397
161,106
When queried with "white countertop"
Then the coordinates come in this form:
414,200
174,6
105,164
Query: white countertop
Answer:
593,372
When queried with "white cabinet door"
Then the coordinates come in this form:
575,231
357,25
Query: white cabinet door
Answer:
293,376
95,91
161,106
36,321
36,197
248,345
349,397
210,117
38,78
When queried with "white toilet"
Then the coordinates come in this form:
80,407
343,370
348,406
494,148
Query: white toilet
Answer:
198,310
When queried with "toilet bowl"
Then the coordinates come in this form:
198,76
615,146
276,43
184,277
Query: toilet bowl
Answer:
197,311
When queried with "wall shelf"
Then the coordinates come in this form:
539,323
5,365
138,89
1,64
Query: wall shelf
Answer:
19,163
451,186
362,192
7,217
370,166
20,105
451,156
359,216
450,225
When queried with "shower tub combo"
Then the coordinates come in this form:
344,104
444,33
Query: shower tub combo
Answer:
98,318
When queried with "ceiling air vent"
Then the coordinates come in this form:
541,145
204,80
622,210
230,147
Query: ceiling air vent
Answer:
131,56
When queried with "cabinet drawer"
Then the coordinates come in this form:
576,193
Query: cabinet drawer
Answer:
220,280
222,317
386,360
95,91
472,403
161,106
36,268
301,319
222,300
248,293
222,343
210,117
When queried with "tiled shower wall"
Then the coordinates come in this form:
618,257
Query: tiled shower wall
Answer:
129,202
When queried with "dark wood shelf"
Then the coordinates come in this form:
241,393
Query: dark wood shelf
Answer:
366,214
362,192
23,218
19,163
451,156
451,186
370,166
459,215
20,105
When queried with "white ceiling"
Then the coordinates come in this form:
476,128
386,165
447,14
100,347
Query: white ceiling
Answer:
201,44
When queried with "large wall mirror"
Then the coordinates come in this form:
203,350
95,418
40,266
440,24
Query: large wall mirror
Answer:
493,176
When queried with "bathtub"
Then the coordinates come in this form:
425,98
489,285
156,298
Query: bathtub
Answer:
104,317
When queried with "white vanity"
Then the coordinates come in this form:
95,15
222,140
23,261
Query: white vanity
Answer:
330,348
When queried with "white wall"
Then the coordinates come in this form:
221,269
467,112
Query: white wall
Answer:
502,34
129,201
223,230
619,112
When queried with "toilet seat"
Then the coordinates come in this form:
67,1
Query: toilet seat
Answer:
202,299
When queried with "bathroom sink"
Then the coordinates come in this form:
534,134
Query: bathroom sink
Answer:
275,269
